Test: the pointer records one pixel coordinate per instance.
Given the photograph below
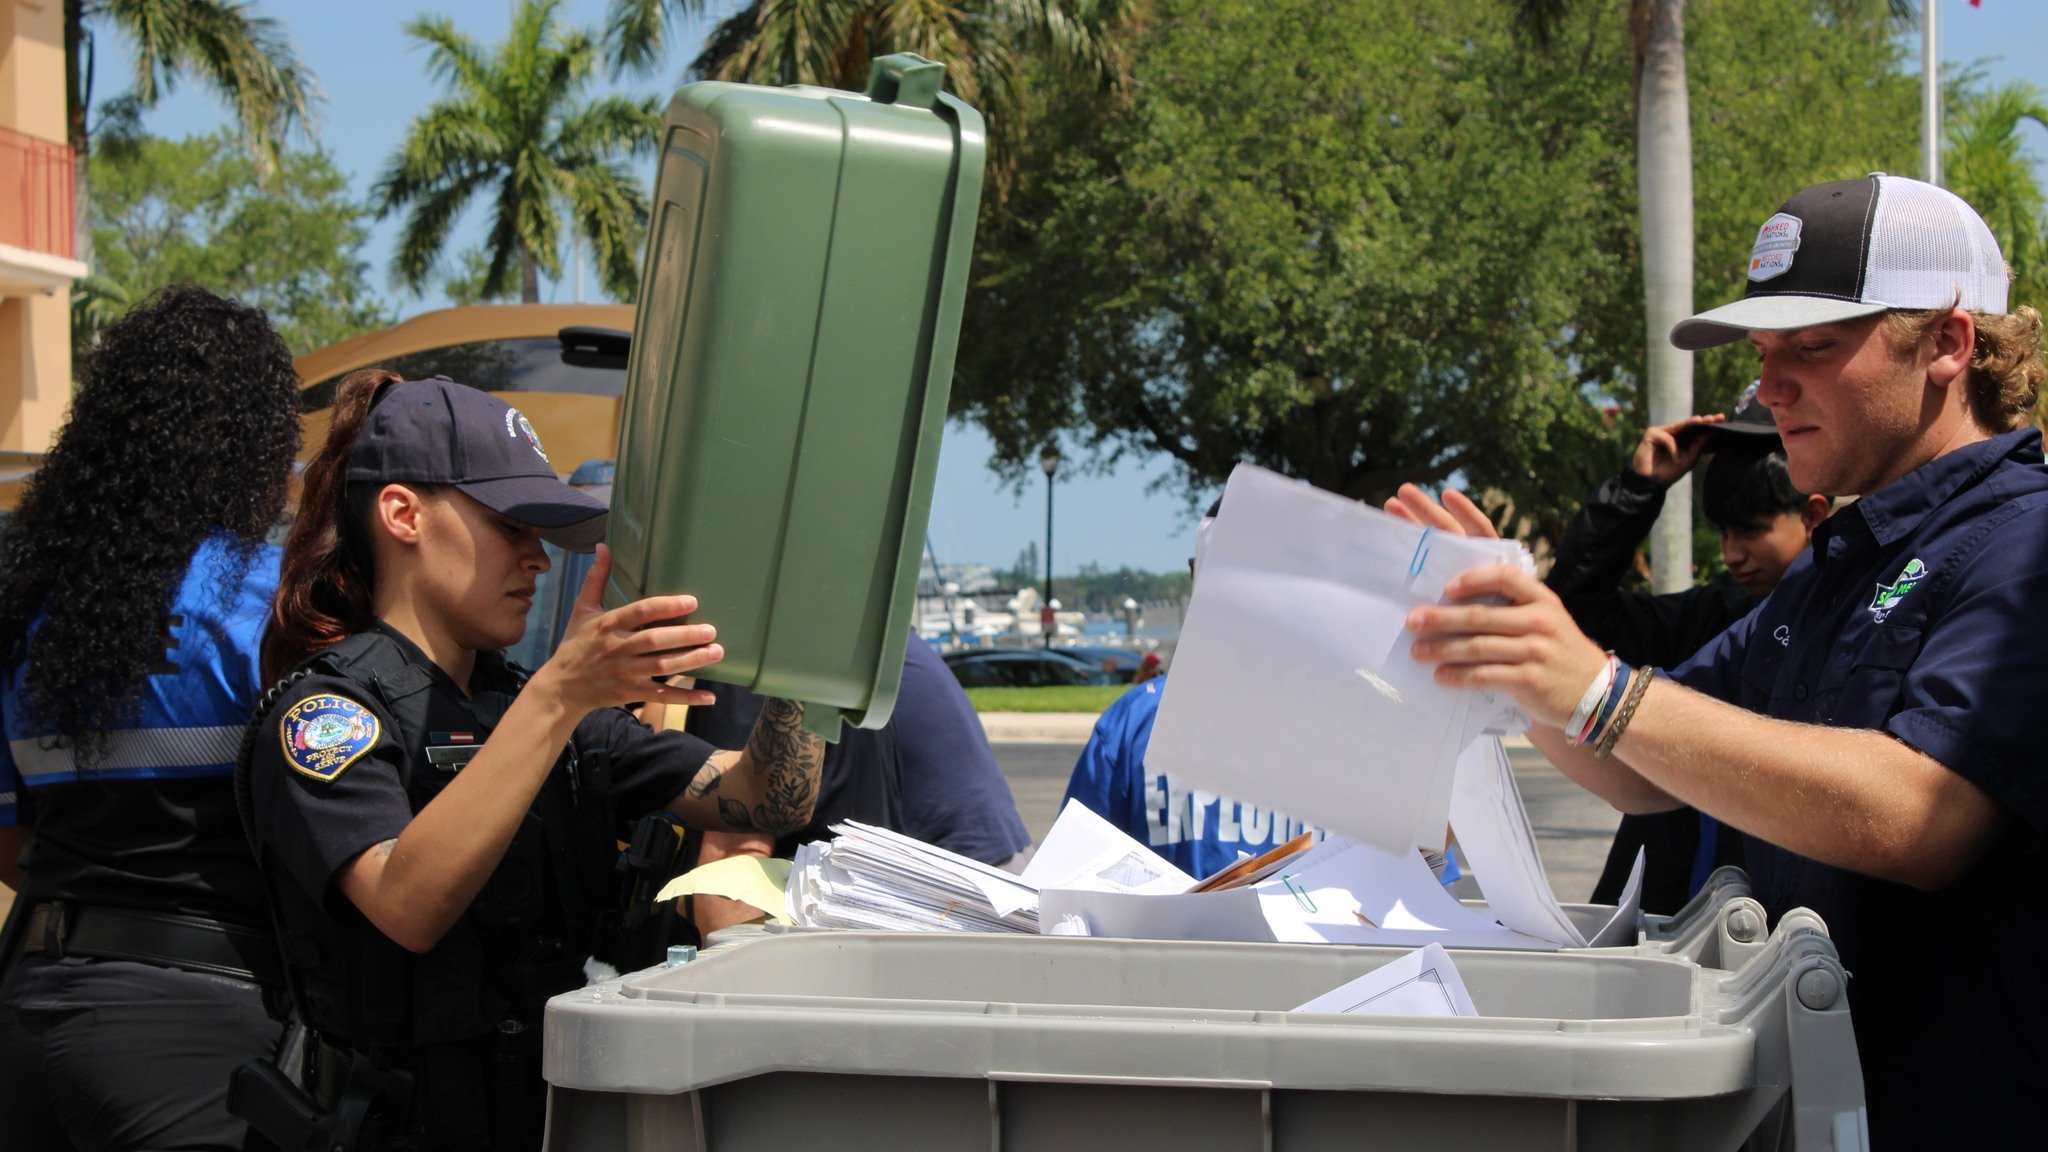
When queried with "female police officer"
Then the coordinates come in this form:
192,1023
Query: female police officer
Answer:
440,836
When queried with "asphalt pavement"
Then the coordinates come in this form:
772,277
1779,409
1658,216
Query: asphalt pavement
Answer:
1572,828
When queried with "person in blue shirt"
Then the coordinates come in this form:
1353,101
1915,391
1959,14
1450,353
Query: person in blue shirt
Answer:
1199,832
135,590
1873,727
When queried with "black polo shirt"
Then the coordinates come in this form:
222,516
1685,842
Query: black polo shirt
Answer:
1922,611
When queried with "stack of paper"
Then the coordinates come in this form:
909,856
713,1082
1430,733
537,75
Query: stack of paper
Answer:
873,878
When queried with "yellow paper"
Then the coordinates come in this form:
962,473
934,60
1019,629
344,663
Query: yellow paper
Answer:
757,881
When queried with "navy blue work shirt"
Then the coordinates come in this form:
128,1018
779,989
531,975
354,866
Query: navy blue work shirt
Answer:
1922,611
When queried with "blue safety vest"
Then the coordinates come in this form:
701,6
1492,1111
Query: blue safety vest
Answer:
194,706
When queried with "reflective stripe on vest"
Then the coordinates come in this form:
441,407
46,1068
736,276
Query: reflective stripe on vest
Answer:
135,752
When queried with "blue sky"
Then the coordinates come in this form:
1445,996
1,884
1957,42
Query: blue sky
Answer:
371,74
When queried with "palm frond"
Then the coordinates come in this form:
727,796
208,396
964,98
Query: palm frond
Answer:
246,58
636,31
452,57
427,228
444,145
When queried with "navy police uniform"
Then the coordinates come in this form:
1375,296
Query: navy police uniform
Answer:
341,760
1922,611
141,928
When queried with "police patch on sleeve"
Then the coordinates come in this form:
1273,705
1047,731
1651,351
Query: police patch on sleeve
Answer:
325,734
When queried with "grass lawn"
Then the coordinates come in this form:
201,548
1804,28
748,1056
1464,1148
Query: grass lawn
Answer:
1044,699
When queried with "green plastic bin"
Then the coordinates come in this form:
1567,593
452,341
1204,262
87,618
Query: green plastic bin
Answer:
792,358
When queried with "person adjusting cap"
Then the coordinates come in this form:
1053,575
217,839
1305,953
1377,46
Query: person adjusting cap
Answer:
436,431
1854,248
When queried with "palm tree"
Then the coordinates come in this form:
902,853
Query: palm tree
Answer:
244,57
832,42
514,129
1986,163
1664,192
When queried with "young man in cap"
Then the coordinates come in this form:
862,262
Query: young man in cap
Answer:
1873,726
1764,524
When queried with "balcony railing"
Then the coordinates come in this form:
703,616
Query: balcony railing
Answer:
36,209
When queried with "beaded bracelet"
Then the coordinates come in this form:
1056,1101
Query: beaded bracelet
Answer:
1641,684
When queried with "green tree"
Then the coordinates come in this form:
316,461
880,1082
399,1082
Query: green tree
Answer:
1664,185
1365,243
1341,240
470,282
190,211
515,129
243,57
983,43
1986,162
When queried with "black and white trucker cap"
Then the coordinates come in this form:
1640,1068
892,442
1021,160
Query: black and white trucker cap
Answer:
439,432
1854,248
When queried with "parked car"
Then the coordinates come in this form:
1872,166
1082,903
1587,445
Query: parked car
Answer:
1023,668
1121,663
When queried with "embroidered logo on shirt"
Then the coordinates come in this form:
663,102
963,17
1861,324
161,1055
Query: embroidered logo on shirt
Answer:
1776,241
1889,595
323,735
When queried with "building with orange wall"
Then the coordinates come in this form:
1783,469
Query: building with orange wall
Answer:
38,224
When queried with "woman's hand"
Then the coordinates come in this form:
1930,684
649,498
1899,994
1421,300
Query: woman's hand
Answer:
1526,645
621,656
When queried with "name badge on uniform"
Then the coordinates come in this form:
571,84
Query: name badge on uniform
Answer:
450,751
323,735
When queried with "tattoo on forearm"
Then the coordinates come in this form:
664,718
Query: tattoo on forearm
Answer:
383,851
707,780
788,759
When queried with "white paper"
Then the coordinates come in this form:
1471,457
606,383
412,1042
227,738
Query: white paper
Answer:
1085,851
1293,687
1317,899
1620,929
1342,892
1422,983
1492,826
1230,915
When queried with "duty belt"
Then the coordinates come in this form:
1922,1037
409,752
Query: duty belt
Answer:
165,939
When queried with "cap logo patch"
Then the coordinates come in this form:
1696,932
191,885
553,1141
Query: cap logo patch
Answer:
1776,241
516,424
323,735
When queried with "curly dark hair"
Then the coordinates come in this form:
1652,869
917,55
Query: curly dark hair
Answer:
184,422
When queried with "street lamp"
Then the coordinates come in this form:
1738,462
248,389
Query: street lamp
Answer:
1049,460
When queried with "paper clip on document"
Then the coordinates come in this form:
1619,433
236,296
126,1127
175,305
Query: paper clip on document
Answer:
1421,556
1301,896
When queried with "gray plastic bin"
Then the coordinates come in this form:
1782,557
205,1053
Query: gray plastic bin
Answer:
850,1041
